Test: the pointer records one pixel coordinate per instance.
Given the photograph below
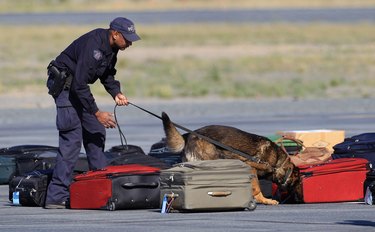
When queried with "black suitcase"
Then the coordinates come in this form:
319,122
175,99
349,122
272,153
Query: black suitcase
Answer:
132,154
30,157
36,160
10,157
38,157
43,160
21,149
369,188
30,189
370,179
22,159
358,146
159,150
370,195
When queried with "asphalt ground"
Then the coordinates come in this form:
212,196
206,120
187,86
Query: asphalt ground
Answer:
33,124
312,217
295,15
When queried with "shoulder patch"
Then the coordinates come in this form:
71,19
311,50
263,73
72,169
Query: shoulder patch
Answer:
97,55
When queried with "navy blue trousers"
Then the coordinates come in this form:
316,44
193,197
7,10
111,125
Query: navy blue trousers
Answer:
76,127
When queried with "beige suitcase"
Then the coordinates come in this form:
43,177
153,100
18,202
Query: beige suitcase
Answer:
210,185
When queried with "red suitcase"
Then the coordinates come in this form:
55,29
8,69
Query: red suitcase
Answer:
334,181
129,186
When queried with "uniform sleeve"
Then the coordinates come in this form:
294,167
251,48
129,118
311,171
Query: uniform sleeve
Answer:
85,68
111,85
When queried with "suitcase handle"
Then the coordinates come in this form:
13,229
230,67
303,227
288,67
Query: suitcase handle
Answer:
141,185
219,194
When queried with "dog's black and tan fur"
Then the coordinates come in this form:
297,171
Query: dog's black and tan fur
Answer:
274,161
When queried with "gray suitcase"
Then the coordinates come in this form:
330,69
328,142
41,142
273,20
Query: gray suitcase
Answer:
209,185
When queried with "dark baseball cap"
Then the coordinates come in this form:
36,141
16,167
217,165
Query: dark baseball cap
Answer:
125,27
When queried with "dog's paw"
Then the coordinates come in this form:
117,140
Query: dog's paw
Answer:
271,202
262,200
266,201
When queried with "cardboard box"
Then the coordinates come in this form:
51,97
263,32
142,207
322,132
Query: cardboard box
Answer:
316,138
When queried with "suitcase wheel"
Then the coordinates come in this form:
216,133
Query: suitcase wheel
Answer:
252,206
111,206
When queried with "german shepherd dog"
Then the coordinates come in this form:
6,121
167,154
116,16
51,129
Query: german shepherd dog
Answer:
272,162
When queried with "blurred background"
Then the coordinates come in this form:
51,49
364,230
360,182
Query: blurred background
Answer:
201,49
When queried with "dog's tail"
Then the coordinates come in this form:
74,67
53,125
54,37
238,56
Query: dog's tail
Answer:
175,141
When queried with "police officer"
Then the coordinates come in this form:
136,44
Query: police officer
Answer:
91,57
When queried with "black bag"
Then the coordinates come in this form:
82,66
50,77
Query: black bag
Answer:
132,154
37,160
358,146
30,189
369,188
127,149
13,160
29,158
21,149
159,150
46,160
370,180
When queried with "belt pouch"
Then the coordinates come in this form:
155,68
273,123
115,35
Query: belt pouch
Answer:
56,80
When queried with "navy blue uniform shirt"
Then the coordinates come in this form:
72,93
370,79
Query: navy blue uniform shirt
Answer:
89,58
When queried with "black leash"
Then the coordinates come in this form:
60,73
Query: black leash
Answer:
122,135
226,147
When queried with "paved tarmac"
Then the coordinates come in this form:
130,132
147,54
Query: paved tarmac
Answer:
295,15
33,125
313,217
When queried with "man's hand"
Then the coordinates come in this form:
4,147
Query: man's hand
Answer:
121,100
106,119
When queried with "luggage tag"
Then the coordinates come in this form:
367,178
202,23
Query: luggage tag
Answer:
16,198
164,204
16,194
